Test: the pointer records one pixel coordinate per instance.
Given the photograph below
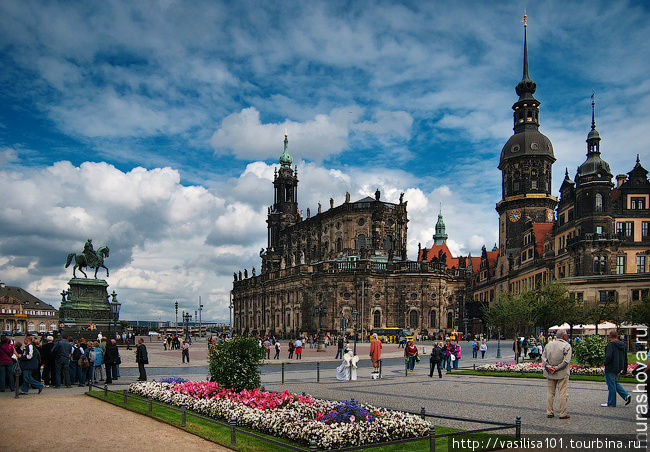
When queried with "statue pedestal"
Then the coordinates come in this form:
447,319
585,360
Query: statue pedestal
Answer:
86,304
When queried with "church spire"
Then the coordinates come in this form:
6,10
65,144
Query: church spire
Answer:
285,158
526,87
593,139
440,236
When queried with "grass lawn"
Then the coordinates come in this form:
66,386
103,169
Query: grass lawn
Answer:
221,435
535,375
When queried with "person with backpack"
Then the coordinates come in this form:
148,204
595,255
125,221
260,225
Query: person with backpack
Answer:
142,358
29,363
74,362
62,351
435,359
474,349
88,360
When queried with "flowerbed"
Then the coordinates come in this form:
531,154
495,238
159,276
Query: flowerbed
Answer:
301,419
537,368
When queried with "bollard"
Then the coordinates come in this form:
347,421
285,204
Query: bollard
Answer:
105,391
282,373
318,372
432,438
518,427
312,446
233,432
124,392
423,413
183,414
150,399
474,365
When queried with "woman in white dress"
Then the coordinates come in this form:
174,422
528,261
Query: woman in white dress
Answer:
348,368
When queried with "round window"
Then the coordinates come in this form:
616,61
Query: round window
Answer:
361,222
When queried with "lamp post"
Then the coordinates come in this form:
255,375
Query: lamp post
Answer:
355,314
200,309
186,320
498,342
320,311
176,326
115,312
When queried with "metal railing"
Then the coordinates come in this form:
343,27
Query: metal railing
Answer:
232,425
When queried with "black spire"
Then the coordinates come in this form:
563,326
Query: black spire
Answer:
526,87
593,139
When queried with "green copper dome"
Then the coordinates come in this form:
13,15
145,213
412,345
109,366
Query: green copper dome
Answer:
285,158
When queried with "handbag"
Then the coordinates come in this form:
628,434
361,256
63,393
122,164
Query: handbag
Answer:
453,358
15,369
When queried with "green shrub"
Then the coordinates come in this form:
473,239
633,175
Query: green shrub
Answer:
236,363
590,351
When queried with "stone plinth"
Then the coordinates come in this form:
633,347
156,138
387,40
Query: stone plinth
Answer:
86,303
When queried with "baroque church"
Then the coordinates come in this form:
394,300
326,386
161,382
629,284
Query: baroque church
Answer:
348,266
343,266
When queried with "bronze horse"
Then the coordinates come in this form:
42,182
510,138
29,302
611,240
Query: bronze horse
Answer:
81,261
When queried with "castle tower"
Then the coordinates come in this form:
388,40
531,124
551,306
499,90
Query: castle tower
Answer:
526,164
440,236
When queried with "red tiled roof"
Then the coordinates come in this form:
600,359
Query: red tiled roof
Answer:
541,230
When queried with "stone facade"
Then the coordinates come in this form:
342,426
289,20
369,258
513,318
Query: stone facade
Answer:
21,311
351,257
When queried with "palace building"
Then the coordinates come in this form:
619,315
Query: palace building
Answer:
22,312
352,258
344,264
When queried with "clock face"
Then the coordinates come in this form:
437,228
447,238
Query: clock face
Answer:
515,215
550,216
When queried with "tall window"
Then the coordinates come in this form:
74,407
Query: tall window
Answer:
640,264
599,202
413,319
620,265
339,245
361,241
450,320
376,320
645,226
432,319
625,228
600,264
388,243
637,203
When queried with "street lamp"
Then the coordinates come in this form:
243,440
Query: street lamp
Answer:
355,314
186,320
115,311
320,311
176,308
498,342
200,309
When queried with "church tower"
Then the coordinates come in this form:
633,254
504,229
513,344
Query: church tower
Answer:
284,211
440,236
593,188
525,164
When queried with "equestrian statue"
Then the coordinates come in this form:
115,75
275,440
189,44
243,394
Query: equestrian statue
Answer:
88,258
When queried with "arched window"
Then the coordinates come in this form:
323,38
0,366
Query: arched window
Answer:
376,319
450,320
52,326
413,319
30,326
599,202
432,319
339,245
388,243
361,241
41,328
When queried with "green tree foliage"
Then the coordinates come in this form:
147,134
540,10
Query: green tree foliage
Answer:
513,313
552,305
590,351
236,363
639,312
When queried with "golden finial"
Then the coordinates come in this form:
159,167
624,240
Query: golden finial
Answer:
286,133
525,19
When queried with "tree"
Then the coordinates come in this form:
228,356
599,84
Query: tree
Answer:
638,312
603,311
510,312
236,363
552,305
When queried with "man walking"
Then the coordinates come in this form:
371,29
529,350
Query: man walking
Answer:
141,358
435,359
555,362
185,352
615,363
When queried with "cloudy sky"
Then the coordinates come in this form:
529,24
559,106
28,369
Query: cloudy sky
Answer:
154,127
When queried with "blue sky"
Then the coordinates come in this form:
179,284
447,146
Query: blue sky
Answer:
154,127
